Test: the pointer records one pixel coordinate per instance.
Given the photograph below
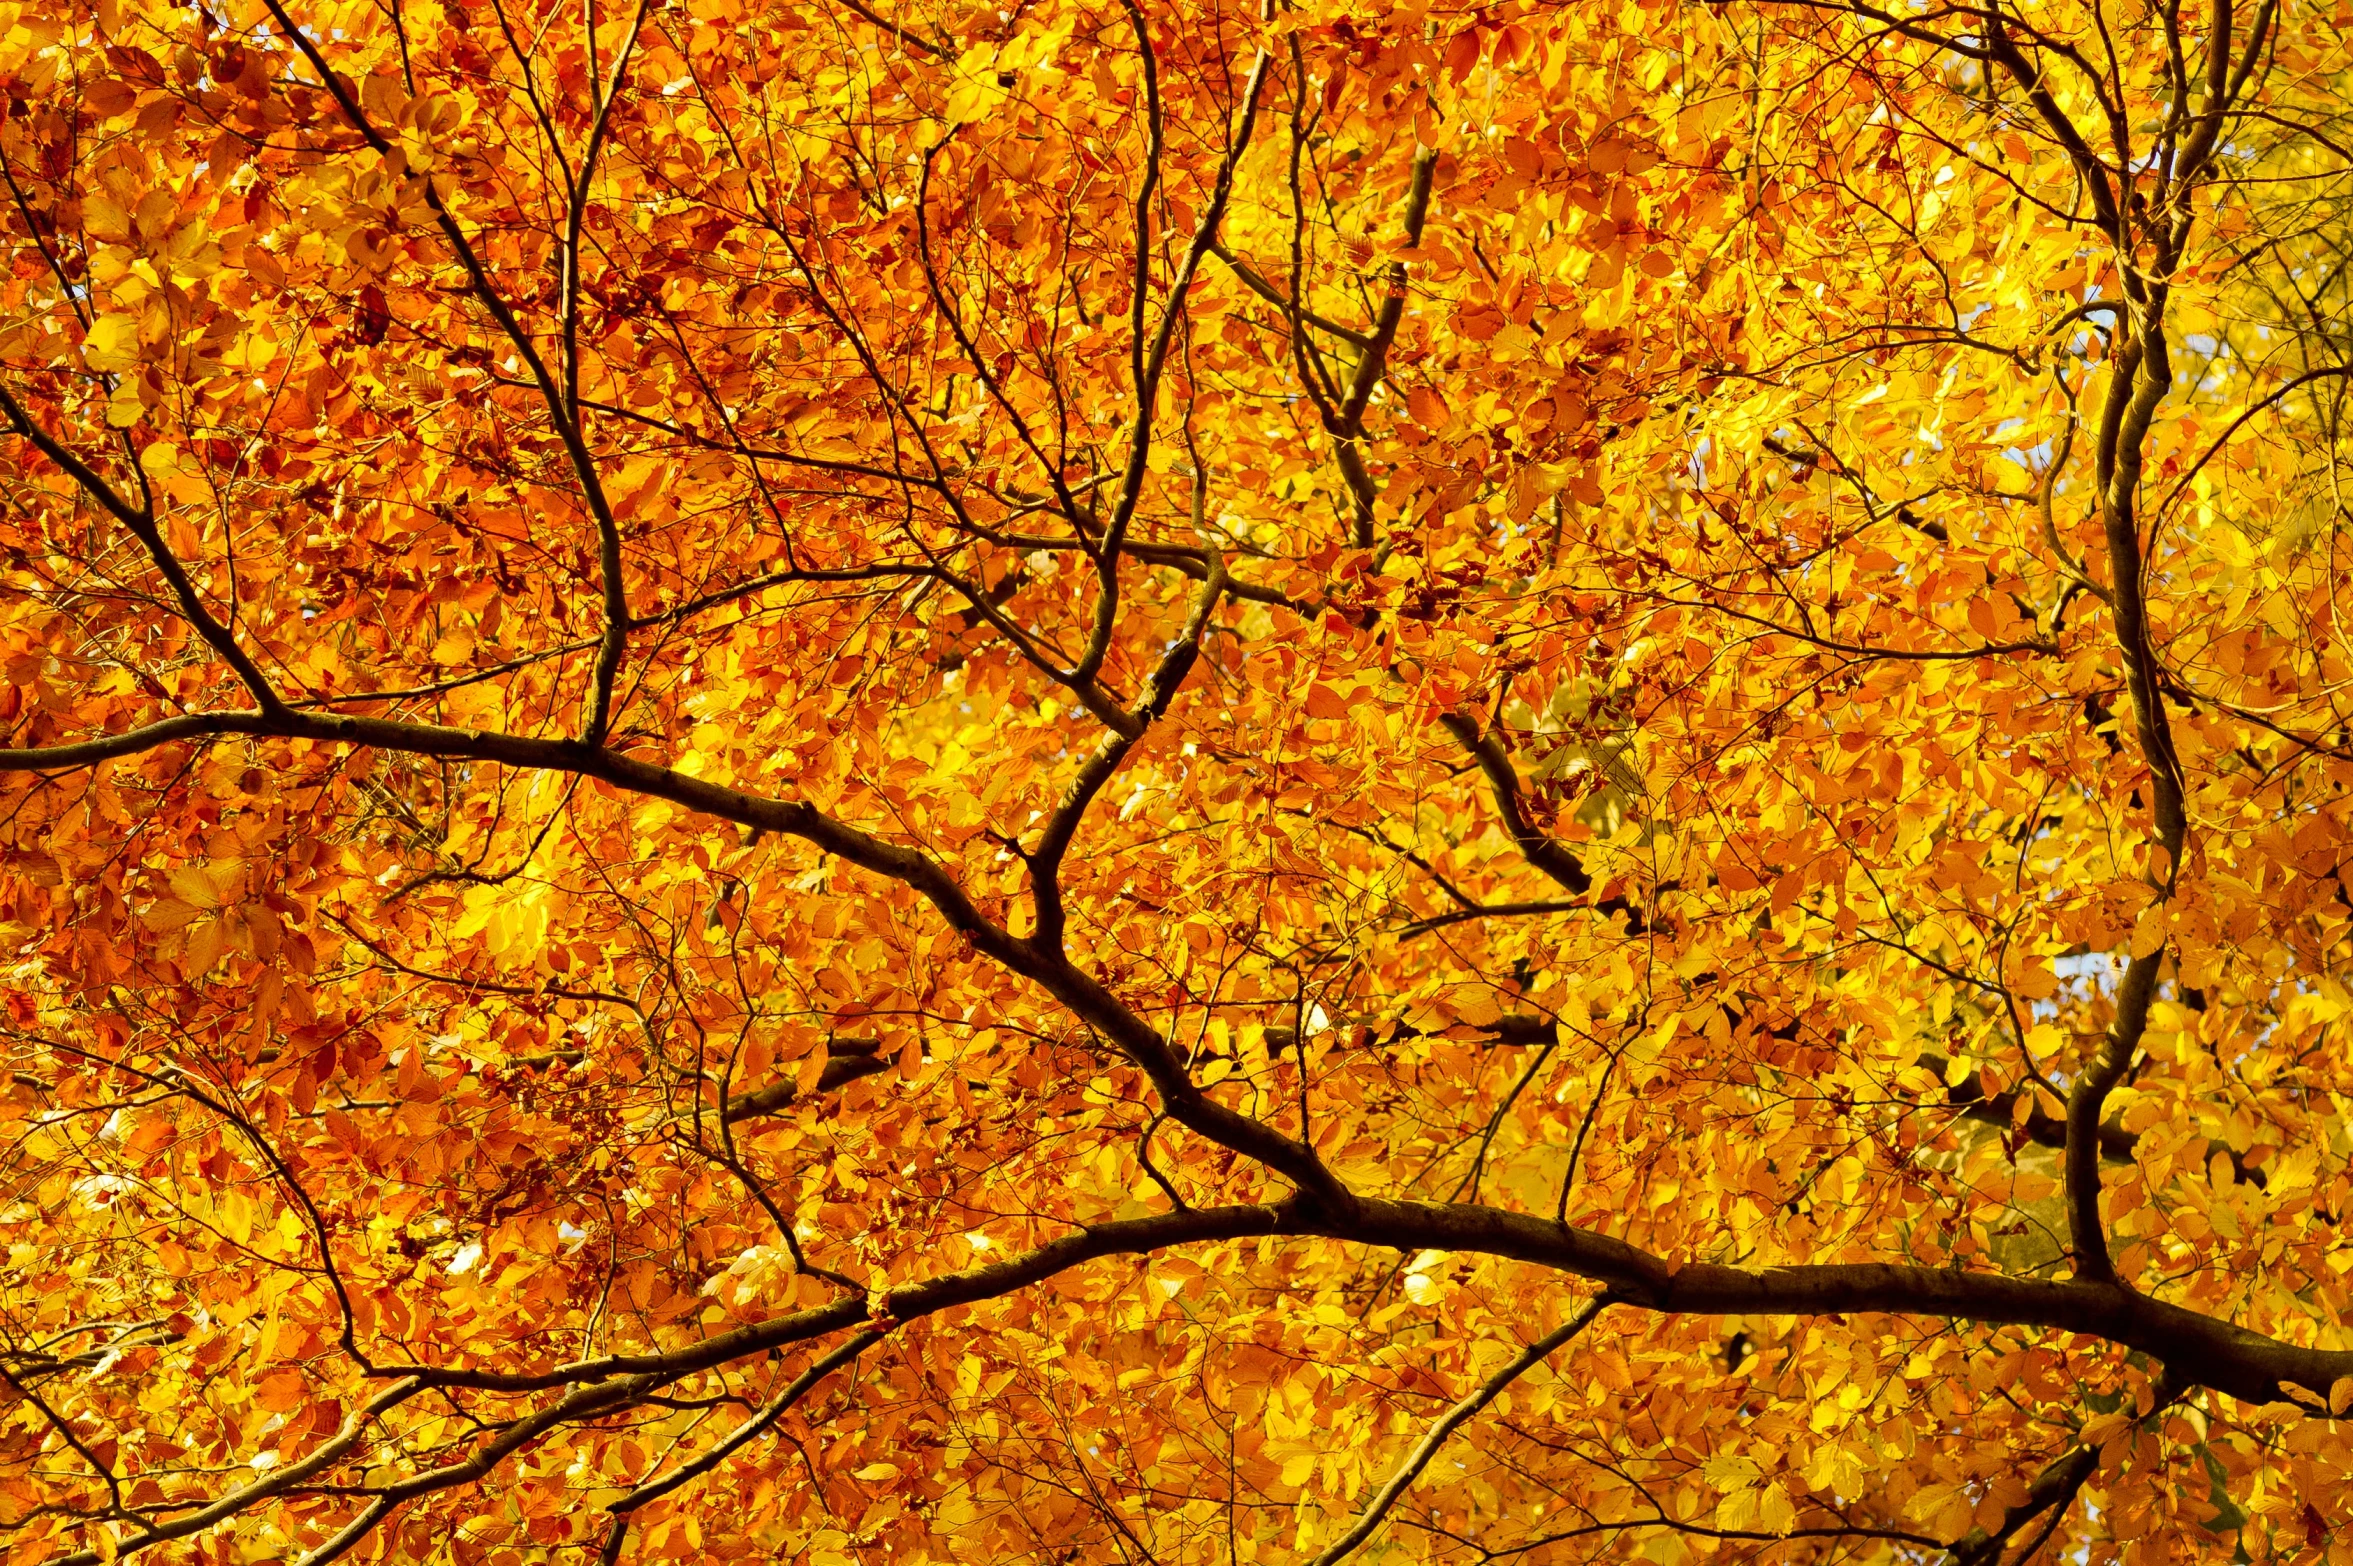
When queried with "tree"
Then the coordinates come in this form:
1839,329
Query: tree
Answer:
833,783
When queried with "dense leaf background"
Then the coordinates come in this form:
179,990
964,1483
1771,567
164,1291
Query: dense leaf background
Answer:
832,783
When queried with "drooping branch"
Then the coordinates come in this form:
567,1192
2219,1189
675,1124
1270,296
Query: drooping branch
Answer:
65,1430
908,1302
769,1412
2219,1355
1377,1505
321,1459
140,522
2203,1349
2200,1350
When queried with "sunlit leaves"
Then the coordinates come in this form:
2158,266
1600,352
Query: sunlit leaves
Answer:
1663,757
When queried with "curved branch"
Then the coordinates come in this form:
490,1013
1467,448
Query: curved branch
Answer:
771,1411
2196,1349
1368,1517
140,521
2268,400
1050,969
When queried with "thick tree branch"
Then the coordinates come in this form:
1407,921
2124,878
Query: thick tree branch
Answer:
846,1060
2200,1349
1503,782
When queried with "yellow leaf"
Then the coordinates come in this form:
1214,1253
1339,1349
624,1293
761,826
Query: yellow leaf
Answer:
112,343
169,913
207,940
127,406
208,884
2099,1431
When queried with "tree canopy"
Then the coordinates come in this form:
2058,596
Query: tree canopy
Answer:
843,781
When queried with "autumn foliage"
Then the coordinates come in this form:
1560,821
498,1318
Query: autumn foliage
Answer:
824,782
